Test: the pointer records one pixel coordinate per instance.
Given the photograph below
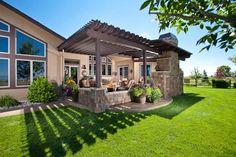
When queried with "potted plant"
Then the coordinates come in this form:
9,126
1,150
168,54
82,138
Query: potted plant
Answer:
138,95
75,92
155,95
68,87
148,91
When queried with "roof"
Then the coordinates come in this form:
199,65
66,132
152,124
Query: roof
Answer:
115,40
30,19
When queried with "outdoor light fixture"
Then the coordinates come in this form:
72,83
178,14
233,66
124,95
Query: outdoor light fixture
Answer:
83,67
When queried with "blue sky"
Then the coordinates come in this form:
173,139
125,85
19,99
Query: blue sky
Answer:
66,17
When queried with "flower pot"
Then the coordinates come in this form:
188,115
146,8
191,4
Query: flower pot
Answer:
75,97
142,99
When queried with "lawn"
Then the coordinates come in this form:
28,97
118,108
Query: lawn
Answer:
201,122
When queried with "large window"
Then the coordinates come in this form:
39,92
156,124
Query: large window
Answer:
4,73
27,45
4,44
4,27
106,66
27,71
148,70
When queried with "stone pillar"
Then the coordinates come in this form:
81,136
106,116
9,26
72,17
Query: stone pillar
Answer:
168,77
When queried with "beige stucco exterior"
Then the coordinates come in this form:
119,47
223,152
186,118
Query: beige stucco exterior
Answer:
55,59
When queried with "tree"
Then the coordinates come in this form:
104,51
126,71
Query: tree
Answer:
223,71
196,75
233,59
204,75
218,17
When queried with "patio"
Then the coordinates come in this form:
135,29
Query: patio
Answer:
100,40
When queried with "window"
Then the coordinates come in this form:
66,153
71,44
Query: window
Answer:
27,71
148,69
4,44
4,73
28,45
103,69
124,72
38,69
106,66
4,27
109,69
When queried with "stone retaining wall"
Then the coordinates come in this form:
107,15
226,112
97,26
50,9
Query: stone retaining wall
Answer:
98,100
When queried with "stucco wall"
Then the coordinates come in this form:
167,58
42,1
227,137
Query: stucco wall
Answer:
53,68
137,70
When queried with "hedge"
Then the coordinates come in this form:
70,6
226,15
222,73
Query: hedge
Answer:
221,83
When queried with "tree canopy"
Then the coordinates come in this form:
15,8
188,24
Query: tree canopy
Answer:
218,17
196,75
223,71
233,59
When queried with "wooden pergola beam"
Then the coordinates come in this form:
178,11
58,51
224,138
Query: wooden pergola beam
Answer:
119,41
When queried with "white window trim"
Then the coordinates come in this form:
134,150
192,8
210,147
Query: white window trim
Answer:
45,46
140,66
72,66
31,70
8,46
8,30
123,66
8,86
92,62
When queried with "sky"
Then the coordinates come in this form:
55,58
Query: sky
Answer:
66,16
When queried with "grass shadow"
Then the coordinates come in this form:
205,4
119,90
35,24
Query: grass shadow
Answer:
57,131
54,132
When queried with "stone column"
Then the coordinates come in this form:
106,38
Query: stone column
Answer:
169,77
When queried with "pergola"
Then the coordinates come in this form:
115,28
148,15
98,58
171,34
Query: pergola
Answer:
100,39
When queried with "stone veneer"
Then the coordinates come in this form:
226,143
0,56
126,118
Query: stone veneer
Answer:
169,77
98,100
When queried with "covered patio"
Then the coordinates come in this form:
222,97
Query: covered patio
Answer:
100,39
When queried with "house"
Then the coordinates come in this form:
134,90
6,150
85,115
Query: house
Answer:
29,49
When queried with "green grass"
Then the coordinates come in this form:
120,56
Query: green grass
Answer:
201,122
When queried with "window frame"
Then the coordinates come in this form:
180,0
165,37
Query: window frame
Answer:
31,70
8,46
8,30
92,62
9,81
31,36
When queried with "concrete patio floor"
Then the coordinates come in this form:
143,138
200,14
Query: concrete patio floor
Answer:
136,107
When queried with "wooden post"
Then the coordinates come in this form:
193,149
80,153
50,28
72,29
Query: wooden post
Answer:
144,67
98,63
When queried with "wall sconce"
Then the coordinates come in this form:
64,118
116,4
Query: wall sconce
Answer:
131,71
83,67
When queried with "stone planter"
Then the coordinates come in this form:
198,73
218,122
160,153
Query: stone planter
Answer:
142,99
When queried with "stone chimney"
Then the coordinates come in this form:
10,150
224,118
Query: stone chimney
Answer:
170,38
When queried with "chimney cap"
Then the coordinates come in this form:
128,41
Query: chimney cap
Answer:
169,37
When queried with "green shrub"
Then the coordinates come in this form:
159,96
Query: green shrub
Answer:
41,91
137,91
148,91
221,83
75,89
156,94
234,85
8,101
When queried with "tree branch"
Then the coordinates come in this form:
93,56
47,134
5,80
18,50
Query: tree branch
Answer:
180,15
213,15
